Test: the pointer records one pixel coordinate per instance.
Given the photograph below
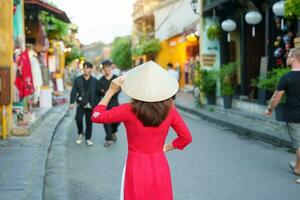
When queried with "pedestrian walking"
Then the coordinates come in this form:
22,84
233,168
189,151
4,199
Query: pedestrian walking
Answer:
289,85
85,93
174,74
111,129
147,120
187,68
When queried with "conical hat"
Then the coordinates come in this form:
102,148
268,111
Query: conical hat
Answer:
149,82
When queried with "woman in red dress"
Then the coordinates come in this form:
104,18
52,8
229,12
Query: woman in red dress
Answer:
147,119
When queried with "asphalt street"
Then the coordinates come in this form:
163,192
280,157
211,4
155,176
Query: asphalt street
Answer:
220,164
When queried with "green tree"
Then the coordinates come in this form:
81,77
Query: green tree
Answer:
147,46
292,8
121,52
74,54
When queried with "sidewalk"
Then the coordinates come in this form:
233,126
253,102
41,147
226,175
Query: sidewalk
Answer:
246,123
23,159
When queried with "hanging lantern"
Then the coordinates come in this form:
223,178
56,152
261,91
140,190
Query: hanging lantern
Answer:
278,9
228,25
253,18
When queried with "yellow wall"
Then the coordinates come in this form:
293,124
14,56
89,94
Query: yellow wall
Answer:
6,59
174,50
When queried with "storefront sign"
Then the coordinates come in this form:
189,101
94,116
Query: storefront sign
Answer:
5,86
210,49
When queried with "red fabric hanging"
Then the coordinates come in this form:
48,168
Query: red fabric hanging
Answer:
24,81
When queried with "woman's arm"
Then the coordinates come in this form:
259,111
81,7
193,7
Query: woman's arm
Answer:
114,88
116,114
184,136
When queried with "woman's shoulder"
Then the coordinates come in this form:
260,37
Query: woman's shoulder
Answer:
173,112
173,109
125,106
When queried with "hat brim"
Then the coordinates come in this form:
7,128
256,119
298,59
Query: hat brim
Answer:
149,83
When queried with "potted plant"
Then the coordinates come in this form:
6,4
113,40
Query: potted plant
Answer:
214,31
197,82
227,89
270,83
208,85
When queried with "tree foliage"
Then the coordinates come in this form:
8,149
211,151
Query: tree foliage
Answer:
121,52
292,8
74,54
147,46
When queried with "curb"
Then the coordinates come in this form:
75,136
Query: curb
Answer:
55,177
39,184
50,145
240,129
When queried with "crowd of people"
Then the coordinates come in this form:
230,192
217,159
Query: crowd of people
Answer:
88,88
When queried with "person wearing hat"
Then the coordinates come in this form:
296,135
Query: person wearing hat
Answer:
111,129
147,119
85,93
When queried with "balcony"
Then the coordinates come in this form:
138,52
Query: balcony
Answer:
144,8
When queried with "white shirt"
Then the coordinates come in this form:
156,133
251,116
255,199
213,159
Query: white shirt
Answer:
174,73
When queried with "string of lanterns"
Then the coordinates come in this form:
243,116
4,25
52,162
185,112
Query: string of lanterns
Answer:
253,18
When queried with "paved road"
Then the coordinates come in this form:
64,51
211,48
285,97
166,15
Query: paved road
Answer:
218,165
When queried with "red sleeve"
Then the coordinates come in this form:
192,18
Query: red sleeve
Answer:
116,114
184,136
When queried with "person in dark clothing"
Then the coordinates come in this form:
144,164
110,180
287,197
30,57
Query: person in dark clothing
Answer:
104,83
85,92
289,85
174,74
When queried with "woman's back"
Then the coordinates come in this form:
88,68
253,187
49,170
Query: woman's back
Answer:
145,139
147,120
147,173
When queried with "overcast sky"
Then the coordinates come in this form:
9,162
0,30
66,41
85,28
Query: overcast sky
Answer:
99,20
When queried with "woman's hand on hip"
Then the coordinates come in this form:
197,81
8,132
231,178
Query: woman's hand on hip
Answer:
168,147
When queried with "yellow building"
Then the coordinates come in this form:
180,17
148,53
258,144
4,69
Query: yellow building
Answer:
177,27
6,64
178,50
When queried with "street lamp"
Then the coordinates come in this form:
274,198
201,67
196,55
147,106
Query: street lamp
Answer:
195,6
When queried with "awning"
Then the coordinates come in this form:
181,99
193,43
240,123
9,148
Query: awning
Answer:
214,4
49,8
192,27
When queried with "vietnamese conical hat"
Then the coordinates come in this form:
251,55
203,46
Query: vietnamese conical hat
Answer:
149,82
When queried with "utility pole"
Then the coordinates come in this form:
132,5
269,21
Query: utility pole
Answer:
6,58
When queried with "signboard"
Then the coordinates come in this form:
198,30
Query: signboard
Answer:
5,86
